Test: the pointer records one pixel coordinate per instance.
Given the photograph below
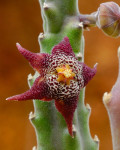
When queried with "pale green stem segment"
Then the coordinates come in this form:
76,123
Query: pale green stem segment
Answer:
112,104
60,19
83,113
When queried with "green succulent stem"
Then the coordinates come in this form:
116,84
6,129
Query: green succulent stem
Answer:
83,113
61,18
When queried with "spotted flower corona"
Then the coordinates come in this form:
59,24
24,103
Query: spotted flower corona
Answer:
61,78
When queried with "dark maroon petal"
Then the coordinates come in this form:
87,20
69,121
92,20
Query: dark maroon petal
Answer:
39,90
67,109
88,73
63,47
39,61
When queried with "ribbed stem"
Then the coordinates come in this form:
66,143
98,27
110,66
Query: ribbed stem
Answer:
45,122
112,104
83,113
60,19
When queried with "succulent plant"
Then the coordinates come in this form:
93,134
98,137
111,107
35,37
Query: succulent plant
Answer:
61,76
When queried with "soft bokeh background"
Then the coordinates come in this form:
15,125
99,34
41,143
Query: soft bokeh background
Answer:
21,22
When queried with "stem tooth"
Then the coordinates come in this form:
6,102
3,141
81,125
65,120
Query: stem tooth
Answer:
96,139
80,24
30,77
41,36
88,107
119,51
31,116
74,130
34,148
107,98
45,5
79,56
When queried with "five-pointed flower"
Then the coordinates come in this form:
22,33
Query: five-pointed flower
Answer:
61,78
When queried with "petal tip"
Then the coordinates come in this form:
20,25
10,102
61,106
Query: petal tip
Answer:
7,99
66,38
18,46
10,98
63,47
88,73
27,54
95,67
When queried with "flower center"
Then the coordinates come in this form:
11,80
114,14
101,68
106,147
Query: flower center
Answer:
65,74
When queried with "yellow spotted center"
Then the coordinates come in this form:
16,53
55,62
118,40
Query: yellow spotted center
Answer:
65,74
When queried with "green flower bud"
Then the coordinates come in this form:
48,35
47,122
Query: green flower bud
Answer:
108,18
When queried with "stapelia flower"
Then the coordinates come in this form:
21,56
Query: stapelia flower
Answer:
61,78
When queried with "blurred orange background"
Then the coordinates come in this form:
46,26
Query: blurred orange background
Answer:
21,22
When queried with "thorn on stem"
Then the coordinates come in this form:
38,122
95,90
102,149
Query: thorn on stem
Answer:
31,116
96,139
80,24
107,98
34,148
74,130
88,107
45,6
30,77
79,55
41,36
119,51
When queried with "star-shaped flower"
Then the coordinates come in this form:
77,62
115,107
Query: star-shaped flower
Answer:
61,78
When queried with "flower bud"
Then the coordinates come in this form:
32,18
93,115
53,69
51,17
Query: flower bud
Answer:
108,18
